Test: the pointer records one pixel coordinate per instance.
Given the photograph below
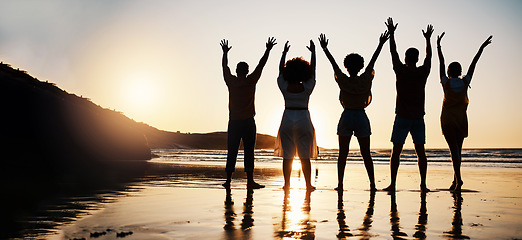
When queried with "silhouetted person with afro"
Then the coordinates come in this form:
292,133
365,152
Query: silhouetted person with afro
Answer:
355,96
241,124
296,134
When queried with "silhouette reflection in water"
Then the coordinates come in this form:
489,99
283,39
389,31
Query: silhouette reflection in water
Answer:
248,221
456,222
420,228
230,216
296,224
344,230
367,220
396,232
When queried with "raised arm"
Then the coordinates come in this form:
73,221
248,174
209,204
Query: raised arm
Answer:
283,58
269,44
427,35
312,59
393,47
382,39
224,61
471,68
323,41
442,65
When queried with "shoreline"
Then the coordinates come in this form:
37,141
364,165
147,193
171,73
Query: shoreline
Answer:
191,204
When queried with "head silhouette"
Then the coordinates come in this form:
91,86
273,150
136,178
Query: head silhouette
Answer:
412,56
242,69
353,63
454,70
297,70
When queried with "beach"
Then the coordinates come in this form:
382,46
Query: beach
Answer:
185,200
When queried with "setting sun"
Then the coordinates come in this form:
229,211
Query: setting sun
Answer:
139,93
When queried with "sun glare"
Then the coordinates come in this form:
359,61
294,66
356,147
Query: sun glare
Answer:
140,93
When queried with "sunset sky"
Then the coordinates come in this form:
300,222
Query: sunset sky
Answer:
159,62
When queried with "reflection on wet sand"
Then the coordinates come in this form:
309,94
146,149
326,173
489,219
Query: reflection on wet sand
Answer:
396,231
367,220
344,230
456,222
296,224
420,228
230,216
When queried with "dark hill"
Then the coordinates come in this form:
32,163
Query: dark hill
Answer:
55,143
42,121
45,122
216,140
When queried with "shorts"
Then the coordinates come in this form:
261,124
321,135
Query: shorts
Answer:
403,126
354,122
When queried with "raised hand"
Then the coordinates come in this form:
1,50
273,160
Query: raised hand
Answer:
286,48
270,43
384,37
323,40
439,38
311,47
487,42
391,27
429,31
224,46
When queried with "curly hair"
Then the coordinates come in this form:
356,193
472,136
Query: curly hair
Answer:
354,62
297,70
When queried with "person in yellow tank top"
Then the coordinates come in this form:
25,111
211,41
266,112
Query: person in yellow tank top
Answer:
453,119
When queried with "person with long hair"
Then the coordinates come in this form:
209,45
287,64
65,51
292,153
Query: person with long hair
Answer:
453,119
296,134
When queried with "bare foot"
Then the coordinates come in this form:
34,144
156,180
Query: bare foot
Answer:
453,186
339,187
254,185
390,188
457,187
310,188
424,188
226,185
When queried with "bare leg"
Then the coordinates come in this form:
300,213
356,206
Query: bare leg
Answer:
287,171
394,165
229,179
344,146
422,161
250,182
364,145
307,172
455,146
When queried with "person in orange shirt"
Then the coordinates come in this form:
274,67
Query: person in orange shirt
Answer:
241,124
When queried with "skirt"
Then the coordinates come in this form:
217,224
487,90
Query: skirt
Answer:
296,135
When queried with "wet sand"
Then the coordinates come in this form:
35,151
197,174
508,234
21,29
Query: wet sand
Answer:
189,203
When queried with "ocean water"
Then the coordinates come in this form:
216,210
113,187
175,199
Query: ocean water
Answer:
504,158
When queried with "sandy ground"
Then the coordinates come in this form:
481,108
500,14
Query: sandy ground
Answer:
193,205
